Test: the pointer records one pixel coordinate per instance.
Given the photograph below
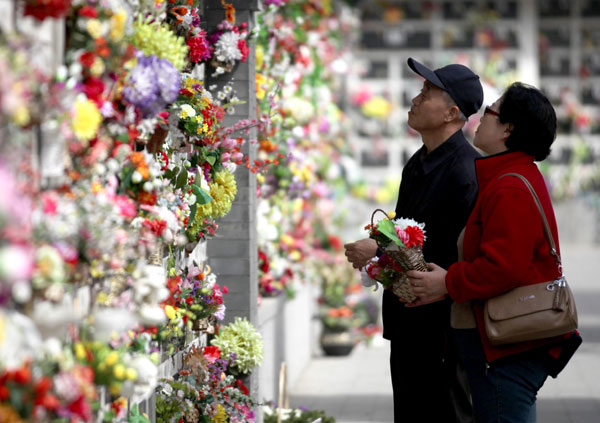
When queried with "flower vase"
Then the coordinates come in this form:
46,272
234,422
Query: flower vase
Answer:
336,343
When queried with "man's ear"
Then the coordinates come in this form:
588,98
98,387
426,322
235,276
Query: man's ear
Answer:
452,113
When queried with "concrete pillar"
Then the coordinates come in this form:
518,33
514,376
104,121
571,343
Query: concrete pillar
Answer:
233,252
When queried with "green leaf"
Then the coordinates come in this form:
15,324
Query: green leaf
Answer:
211,160
182,179
202,197
387,228
193,209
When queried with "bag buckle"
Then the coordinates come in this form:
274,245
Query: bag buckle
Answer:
558,283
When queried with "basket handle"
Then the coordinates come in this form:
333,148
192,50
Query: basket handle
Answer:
373,216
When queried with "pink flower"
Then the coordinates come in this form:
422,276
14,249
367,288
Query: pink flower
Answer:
404,237
127,207
50,203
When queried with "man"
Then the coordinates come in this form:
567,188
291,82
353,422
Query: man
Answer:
438,188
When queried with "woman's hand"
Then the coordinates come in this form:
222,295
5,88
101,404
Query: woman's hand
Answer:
428,286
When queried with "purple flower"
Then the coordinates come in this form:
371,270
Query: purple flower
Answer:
153,84
275,2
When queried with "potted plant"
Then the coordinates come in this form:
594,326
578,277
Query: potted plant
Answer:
338,311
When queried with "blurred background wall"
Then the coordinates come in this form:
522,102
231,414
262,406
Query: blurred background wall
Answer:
552,44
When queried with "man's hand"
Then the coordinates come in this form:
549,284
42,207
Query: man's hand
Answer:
358,253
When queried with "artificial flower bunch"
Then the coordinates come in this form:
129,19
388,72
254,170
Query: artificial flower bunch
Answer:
241,339
228,46
401,241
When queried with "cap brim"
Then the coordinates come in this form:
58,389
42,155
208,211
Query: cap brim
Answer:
425,72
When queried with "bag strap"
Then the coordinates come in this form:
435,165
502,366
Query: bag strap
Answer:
547,231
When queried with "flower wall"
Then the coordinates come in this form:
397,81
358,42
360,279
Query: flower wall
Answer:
102,269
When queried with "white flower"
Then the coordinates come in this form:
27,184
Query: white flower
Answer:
404,222
227,46
148,186
366,280
136,178
187,111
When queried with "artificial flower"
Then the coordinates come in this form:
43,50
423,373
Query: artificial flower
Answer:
156,39
86,120
152,84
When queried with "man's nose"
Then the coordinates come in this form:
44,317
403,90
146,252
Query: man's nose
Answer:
416,100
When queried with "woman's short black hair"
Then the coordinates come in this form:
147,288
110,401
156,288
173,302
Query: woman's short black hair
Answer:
533,119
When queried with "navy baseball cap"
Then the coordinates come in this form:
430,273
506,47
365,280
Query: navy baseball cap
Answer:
457,80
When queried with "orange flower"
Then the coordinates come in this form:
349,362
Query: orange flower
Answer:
144,171
137,159
229,11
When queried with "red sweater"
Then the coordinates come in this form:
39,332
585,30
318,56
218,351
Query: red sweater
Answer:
504,243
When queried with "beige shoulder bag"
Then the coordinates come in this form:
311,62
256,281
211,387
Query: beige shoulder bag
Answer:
531,312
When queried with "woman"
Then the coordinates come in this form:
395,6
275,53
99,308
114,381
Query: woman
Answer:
503,247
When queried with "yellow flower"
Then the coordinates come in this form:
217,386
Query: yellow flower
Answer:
260,91
80,351
97,67
220,416
115,389
117,25
170,312
260,57
112,358
377,107
286,239
94,27
120,372
21,115
86,120
391,214
131,374
295,255
96,187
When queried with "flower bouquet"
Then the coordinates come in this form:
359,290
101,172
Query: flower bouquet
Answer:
401,242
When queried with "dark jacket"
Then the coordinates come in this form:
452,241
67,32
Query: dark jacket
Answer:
504,244
438,189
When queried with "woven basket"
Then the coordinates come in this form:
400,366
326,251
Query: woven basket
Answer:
409,258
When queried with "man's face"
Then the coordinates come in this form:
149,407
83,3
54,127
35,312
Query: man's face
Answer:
428,108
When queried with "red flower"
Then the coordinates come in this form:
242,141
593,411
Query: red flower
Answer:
263,261
199,47
211,353
23,375
88,12
87,59
93,89
157,226
42,9
416,236
148,198
243,48
242,387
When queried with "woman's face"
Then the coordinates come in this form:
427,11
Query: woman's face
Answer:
491,135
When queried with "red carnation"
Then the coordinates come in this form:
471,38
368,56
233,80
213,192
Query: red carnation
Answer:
88,12
87,59
416,236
